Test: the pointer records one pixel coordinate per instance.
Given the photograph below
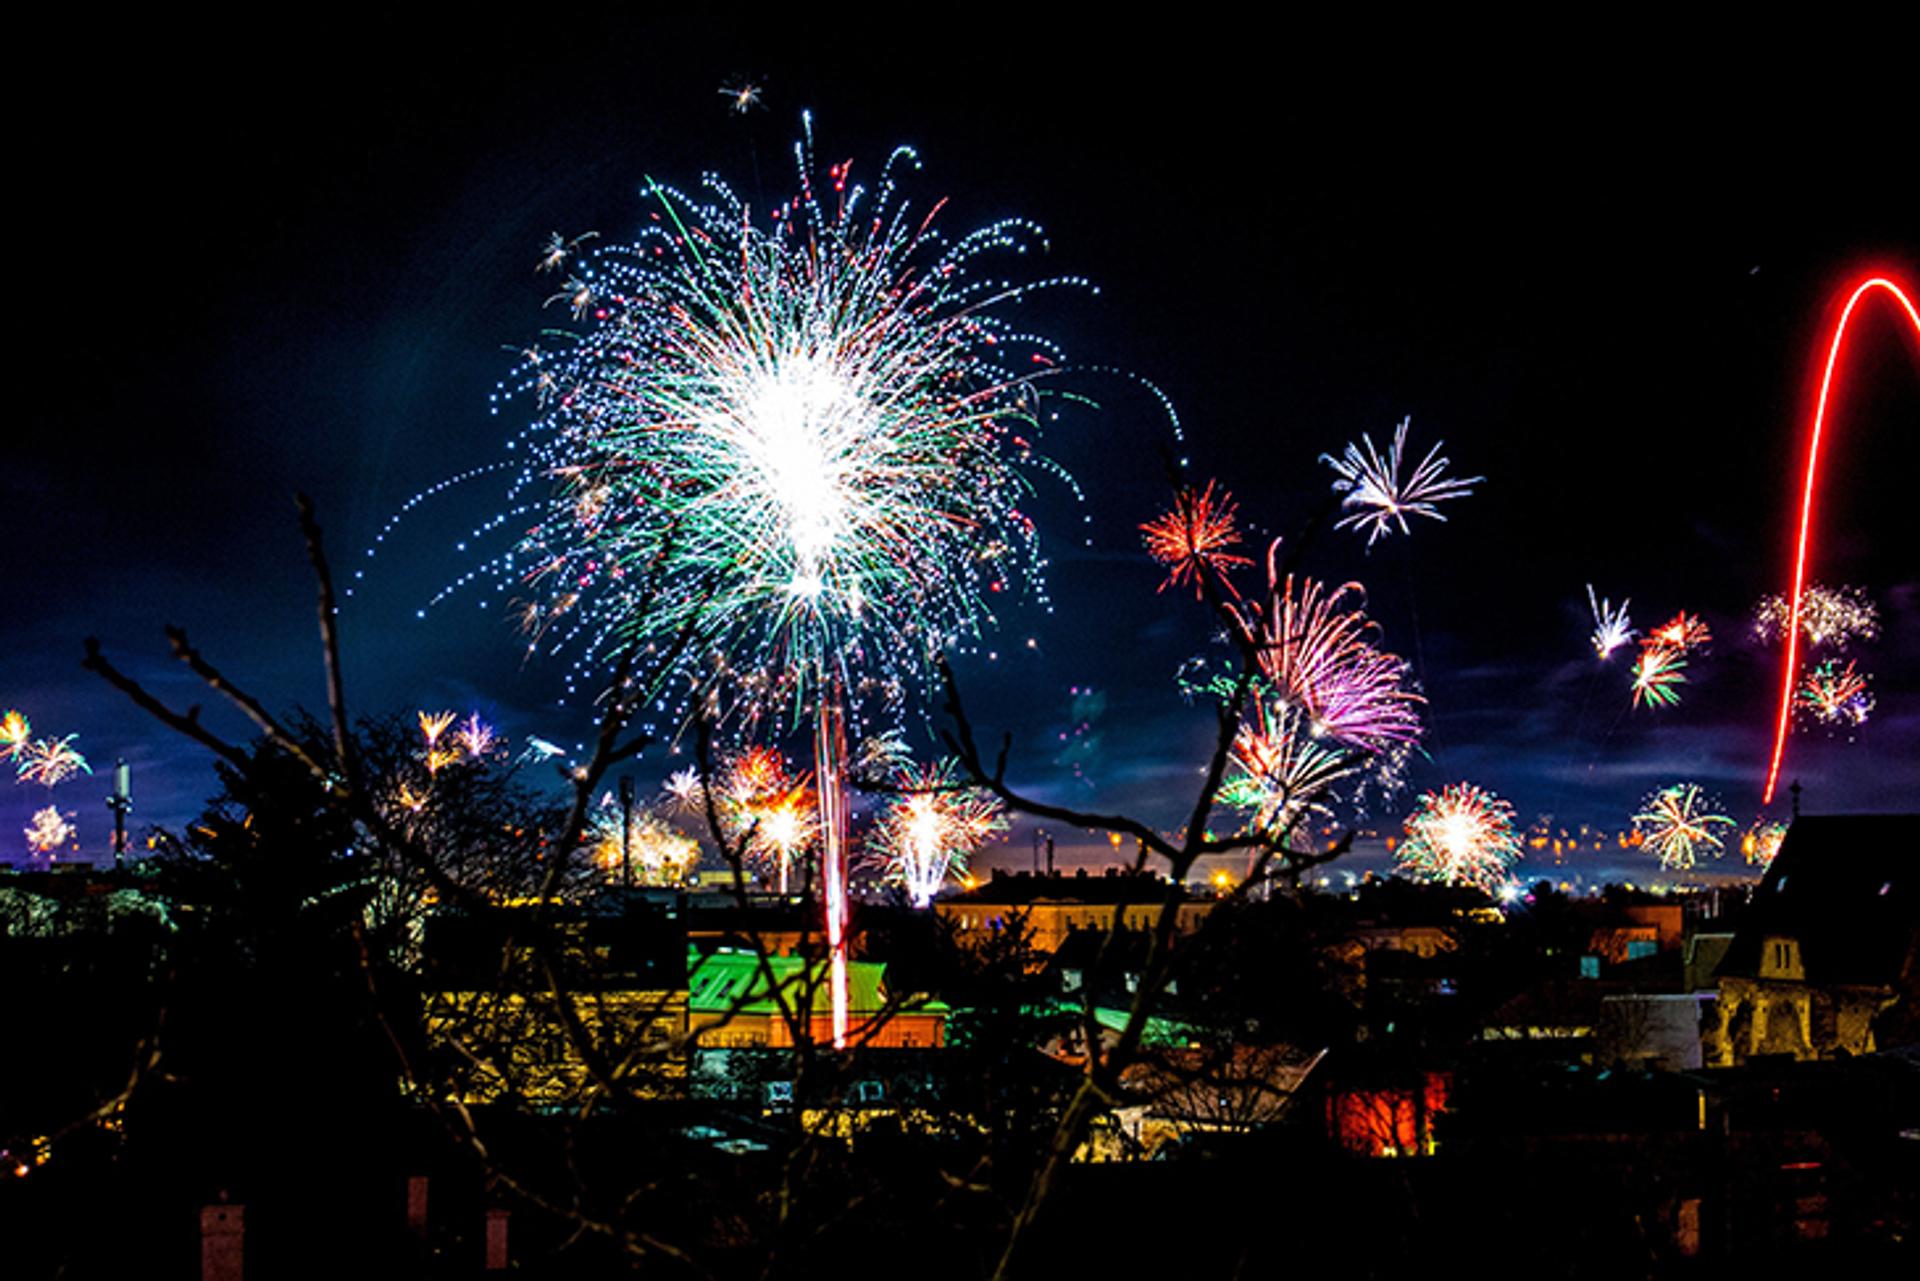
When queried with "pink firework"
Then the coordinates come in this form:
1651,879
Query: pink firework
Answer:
1317,649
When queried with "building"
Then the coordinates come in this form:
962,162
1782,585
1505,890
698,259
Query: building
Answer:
1053,907
1828,947
547,1012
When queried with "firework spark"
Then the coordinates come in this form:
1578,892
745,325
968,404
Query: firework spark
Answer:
931,828
1835,694
1371,482
1461,835
49,830
1611,627
1192,539
1657,674
1830,617
1678,824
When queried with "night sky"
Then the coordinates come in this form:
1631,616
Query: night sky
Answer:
303,263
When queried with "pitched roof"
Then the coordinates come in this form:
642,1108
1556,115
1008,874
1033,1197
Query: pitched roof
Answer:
1847,889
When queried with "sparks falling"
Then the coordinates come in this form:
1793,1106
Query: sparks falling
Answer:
1373,485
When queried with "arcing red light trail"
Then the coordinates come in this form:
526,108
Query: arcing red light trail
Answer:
1788,677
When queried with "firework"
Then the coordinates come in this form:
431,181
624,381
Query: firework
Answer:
931,827
1835,694
50,761
1678,825
742,96
16,732
1683,632
1371,482
1317,649
1761,843
1611,627
1830,617
1278,772
798,442
1326,705
650,849
49,830
475,737
684,791
1657,674
1461,835
1192,539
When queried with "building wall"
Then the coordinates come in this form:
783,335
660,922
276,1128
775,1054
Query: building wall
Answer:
1049,923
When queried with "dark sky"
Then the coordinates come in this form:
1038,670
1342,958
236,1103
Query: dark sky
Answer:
256,262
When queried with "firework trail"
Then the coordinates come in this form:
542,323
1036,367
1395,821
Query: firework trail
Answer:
931,828
1658,673
1611,627
1790,667
1835,695
1678,825
1832,617
1461,835
1372,484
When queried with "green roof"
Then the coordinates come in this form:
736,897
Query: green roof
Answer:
728,981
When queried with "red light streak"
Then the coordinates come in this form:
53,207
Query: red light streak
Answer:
1806,510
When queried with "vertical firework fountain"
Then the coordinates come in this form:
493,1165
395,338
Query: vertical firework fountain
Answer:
797,440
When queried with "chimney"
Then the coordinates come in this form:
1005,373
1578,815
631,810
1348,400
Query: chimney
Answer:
223,1236
417,1206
